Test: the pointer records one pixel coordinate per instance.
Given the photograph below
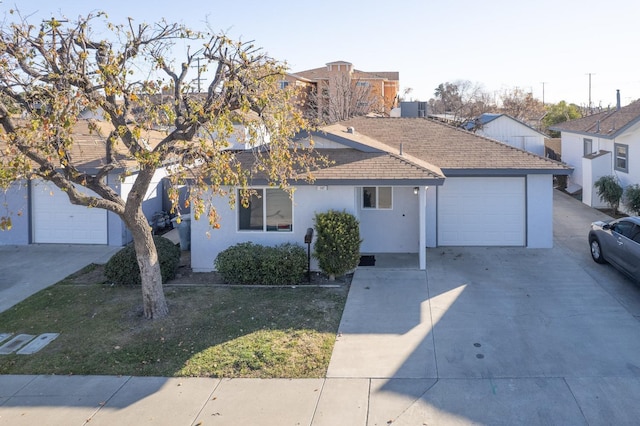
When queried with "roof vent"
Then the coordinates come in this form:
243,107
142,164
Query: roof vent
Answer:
401,148
351,130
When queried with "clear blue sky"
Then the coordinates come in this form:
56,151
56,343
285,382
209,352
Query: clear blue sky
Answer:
500,43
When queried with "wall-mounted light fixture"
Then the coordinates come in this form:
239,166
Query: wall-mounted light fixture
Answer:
416,190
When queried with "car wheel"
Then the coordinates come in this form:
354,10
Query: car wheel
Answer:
596,251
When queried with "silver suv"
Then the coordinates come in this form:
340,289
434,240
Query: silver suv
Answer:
617,242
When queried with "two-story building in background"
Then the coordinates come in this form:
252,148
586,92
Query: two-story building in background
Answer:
338,91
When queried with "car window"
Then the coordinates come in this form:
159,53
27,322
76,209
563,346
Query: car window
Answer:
624,228
635,234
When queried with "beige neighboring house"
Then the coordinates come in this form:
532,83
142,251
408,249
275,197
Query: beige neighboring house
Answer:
338,91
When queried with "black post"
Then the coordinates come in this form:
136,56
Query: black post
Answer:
307,239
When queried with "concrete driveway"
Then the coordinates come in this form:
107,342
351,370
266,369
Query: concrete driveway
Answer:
497,335
25,270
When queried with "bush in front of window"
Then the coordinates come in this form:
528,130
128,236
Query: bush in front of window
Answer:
610,191
632,198
337,245
122,268
254,264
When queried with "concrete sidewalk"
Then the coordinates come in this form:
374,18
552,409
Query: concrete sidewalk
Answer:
495,336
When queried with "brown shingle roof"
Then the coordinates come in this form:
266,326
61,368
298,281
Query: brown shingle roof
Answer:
352,166
89,149
607,124
449,148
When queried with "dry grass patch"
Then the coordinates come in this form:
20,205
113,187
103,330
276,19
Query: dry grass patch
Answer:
212,330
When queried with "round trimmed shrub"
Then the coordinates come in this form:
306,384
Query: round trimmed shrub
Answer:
632,198
249,263
610,191
337,245
122,268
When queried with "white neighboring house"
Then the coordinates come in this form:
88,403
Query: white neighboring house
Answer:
602,144
42,213
504,128
412,183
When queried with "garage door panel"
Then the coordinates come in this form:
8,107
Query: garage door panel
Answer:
56,220
481,212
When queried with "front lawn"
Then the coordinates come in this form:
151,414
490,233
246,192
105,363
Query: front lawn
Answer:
216,331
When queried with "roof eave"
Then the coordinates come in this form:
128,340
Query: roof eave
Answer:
589,134
363,182
504,172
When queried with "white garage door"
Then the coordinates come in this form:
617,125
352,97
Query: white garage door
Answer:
481,212
56,220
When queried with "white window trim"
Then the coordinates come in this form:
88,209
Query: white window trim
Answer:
263,198
377,198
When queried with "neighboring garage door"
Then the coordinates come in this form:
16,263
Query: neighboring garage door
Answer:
482,212
56,220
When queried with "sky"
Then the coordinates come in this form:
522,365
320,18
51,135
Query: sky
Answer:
572,50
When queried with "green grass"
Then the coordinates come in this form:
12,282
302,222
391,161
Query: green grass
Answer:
211,331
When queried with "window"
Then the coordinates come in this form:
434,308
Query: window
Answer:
377,197
587,146
362,84
283,84
621,160
624,228
268,210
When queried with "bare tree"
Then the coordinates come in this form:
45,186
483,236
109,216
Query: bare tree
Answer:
342,97
462,100
521,105
53,72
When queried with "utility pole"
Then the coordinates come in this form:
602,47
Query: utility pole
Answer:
543,83
199,72
590,109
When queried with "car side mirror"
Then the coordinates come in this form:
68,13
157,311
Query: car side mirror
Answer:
607,226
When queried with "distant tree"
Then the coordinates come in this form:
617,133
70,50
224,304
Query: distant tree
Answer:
405,95
521,105
447,98
462,100
559,113
53,72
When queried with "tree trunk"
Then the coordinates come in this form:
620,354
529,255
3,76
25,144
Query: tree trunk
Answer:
153,301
